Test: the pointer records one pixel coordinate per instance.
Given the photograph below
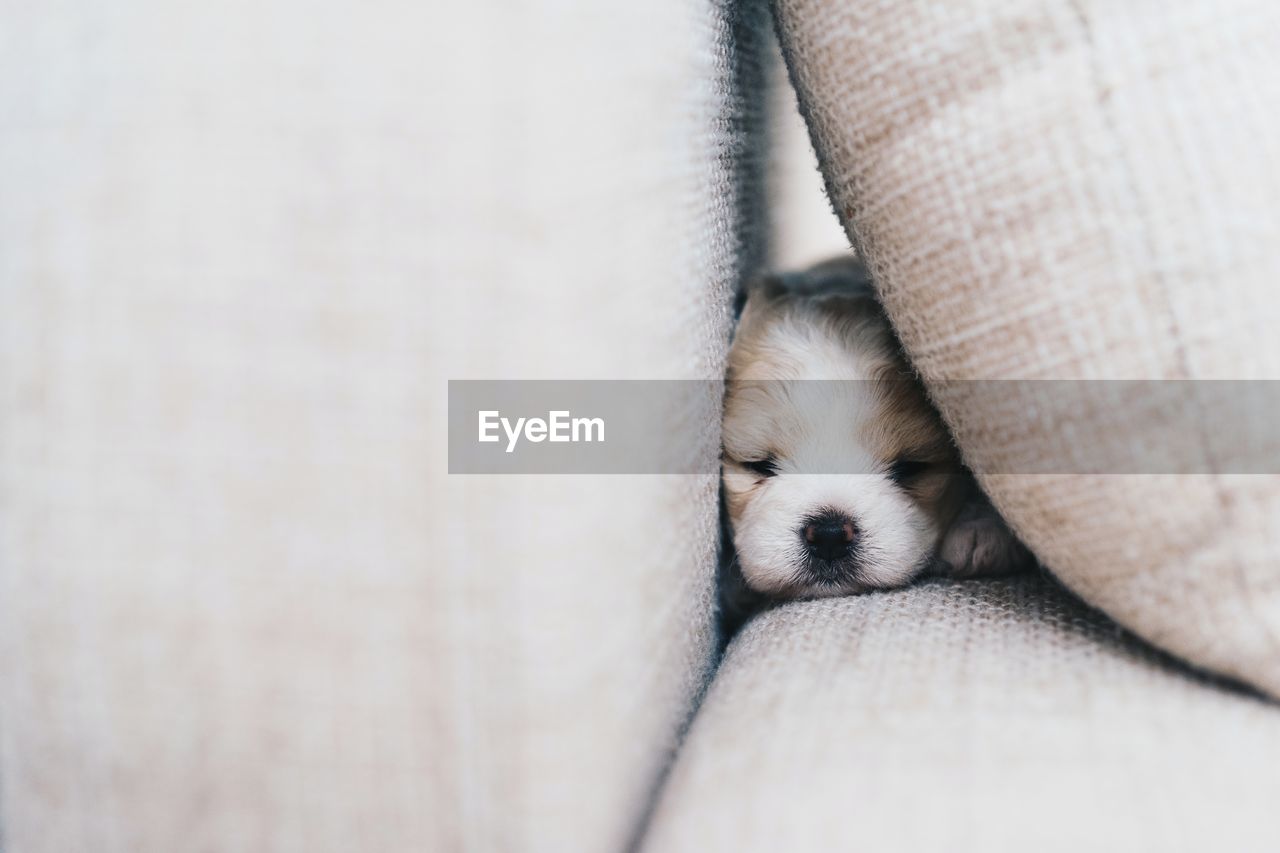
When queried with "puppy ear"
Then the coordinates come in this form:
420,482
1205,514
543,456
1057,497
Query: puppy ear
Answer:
762,288
845,275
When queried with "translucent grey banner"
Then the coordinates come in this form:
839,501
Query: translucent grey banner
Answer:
1009,426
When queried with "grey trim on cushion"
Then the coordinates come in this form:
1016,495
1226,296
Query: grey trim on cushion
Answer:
975,716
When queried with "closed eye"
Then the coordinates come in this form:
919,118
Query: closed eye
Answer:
766,467
903,470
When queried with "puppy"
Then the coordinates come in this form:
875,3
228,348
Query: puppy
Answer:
839,476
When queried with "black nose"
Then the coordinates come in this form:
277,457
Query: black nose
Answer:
830,536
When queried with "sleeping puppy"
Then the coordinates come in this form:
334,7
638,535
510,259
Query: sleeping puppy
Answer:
839,476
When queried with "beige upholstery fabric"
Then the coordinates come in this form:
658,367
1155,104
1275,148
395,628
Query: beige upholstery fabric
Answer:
976,716
1077,190
243,607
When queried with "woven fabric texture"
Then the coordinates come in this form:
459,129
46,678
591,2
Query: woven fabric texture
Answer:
1077,190
973,716
243,607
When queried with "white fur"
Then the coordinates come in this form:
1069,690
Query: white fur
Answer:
811,427
896,537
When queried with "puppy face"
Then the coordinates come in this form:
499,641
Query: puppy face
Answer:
839,475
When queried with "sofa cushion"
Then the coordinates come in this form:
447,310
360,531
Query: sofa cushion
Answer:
1079,191
243,606
974,716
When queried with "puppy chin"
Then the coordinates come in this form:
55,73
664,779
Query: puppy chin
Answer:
791,573
792,581
829,590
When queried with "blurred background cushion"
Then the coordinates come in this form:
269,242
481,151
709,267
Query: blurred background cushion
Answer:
987,715
243,606
1078,191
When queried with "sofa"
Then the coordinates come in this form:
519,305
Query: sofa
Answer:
246,607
